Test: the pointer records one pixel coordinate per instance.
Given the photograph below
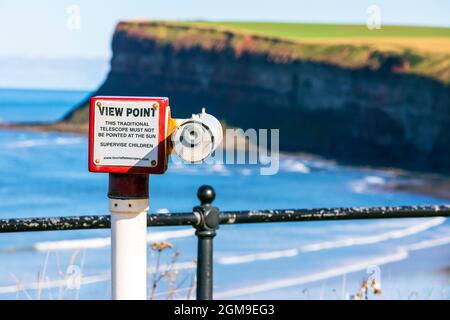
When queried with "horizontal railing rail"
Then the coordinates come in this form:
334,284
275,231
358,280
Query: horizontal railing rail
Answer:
227,217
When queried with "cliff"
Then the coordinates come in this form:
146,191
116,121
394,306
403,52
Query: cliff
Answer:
348,102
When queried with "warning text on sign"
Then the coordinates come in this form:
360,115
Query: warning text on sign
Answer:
126,133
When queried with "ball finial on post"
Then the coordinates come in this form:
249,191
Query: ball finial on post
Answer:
206,194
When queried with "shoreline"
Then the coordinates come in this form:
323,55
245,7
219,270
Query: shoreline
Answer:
60,127
428,184
438,187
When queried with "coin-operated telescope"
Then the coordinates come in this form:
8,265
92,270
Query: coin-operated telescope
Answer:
135,135
130,138
196,138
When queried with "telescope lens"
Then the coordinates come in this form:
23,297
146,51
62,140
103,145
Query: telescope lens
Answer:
192,134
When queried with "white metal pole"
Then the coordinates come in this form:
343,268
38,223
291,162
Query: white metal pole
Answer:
129,248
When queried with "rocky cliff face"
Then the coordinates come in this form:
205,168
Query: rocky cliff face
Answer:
352,104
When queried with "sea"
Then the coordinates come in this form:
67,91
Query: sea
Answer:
45,175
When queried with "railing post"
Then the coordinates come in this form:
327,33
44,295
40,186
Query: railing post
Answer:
208,217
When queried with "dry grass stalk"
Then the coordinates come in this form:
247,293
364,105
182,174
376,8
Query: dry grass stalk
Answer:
169,274
367,286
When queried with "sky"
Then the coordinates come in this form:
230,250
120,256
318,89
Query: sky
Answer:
83,28
66,44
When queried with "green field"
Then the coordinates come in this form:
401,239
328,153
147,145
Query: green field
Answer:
303,30
389,37
424,50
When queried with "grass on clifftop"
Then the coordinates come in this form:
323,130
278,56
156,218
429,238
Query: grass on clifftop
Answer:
425,49
433,39
305,30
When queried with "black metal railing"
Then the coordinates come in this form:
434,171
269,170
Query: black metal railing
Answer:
206,219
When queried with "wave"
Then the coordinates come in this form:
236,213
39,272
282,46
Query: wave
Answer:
395,234
68,141
402,253
258,256
292,165
286,165
334,244
218,168
367,184
245,172
295,281
50,284
366,226
32,143
426,244
97,243
64,282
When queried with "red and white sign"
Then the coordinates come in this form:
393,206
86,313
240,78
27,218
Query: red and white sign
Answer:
127,134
